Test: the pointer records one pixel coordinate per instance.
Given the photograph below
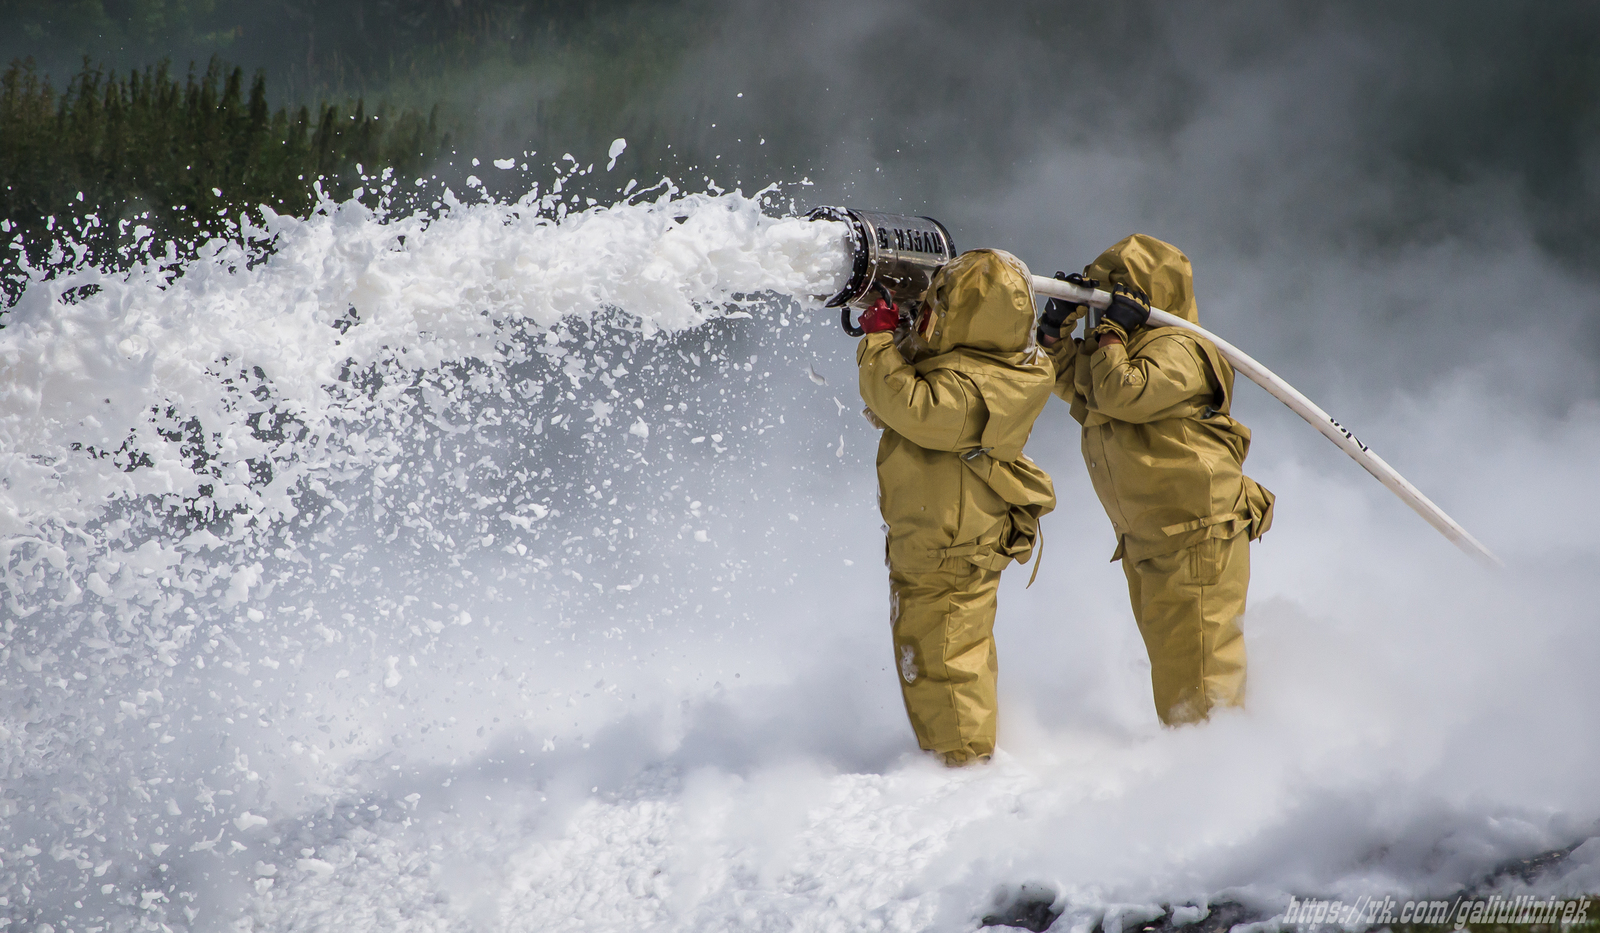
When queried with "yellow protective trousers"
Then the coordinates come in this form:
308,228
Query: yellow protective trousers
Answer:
1188,604
943,626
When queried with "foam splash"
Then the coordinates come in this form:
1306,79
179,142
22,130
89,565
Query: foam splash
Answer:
344,292
200,457
455,584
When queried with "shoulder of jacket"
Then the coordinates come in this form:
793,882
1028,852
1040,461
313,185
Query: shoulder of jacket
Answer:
1182,334
1165,338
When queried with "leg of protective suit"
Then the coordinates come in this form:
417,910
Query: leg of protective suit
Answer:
1188,605
943,624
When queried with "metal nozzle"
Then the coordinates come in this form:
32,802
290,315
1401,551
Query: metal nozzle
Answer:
895,255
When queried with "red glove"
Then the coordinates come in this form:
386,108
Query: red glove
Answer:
880,317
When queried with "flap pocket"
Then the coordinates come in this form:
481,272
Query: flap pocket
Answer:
1258,501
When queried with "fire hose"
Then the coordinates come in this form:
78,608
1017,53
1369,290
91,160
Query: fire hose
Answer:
894,258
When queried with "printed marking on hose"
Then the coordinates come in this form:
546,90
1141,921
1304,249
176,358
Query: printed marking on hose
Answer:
1346,432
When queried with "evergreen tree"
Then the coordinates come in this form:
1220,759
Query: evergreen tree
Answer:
179,157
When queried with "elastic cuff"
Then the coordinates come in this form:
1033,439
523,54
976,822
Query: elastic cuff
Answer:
1111,327
865,343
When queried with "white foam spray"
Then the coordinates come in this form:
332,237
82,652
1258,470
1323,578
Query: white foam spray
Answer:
515,568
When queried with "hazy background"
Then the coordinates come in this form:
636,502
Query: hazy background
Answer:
1284,140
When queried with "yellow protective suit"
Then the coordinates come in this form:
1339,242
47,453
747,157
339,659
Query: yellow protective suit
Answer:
1166,458
956,401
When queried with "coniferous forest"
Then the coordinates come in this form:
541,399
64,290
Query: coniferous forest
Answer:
178,117
180,155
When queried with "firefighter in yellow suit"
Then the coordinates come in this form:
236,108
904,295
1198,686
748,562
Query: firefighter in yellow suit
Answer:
1166,457
956,398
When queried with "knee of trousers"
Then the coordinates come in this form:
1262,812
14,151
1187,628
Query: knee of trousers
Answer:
945,619
945,657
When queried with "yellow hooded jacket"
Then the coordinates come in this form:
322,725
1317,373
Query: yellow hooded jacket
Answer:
955,419
1164,455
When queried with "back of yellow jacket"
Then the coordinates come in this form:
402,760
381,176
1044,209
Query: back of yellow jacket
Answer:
1164,454
956,416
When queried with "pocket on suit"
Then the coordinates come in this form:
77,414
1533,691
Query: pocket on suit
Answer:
1206,561
1258,502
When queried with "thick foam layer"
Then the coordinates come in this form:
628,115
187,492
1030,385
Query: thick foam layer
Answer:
90,356
528,568
209,464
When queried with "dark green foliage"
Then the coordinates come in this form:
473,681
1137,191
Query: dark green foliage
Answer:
146,146
181,157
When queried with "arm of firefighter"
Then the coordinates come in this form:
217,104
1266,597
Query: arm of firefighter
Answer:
1063,356
1137,389
929,411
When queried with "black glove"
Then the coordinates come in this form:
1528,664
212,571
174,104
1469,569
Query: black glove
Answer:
1129,308
1057,311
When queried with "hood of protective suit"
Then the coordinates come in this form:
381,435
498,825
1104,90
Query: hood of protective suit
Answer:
1158,269
981,300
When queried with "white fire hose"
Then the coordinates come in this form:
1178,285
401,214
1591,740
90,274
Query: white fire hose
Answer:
1300,405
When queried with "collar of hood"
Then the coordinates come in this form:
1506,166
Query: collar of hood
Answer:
981,300
1158,269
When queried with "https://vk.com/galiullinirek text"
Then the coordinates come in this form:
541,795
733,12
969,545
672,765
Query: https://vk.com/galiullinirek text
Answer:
1458,913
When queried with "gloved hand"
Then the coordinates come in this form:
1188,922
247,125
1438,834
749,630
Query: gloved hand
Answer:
1129,308
1058,312
880,317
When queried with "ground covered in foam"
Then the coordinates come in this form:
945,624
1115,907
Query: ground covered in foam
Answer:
515,566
